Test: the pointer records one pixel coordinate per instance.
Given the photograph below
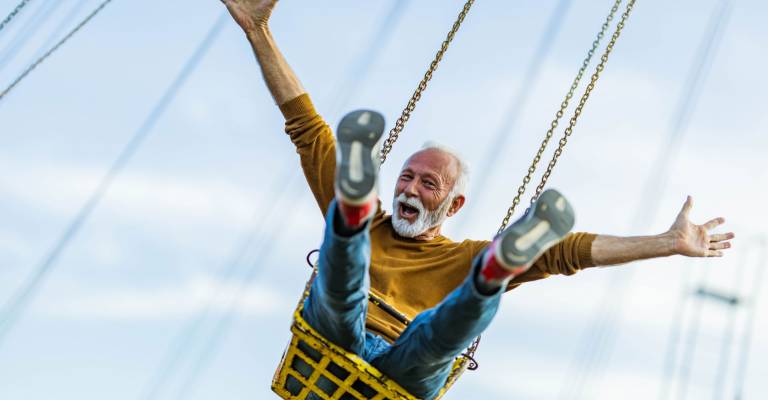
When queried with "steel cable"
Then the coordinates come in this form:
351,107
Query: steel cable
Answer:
53,49
15,306
12,15
27,31
749,325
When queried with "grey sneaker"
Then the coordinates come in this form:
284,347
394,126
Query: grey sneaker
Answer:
357,165
518,246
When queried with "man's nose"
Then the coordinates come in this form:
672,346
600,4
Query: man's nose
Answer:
410,189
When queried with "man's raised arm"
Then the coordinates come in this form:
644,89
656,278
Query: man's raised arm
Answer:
308,131
253,17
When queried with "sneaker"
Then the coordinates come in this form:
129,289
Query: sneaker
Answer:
517,247
357,165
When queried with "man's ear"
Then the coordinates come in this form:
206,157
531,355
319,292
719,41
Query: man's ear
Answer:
456,205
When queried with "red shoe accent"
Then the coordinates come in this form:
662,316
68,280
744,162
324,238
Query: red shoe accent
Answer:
493,271
356,215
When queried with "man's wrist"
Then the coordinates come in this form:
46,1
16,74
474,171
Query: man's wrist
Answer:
258,31
667,243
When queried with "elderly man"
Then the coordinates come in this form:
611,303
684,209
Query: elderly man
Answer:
450,289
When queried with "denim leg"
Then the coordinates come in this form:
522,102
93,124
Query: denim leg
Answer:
421,358
338,299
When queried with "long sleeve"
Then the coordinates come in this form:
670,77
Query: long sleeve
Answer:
315,145
571,255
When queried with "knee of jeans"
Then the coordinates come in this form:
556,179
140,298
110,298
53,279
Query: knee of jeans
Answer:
345,329
339,312
425,344
349,289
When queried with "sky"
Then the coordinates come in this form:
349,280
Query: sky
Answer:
181,282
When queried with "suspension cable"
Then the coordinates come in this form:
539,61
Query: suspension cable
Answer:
25,32
15,306
726,345
59,29
359,70
53,49
13,13
260,232
749,325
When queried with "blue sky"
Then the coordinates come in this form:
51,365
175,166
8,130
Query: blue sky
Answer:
169,242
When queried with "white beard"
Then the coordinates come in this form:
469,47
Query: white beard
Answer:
424,221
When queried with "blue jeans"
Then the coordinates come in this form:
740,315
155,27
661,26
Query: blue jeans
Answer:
421,358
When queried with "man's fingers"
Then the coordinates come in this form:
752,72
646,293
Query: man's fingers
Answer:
719,237
687,207
719,245
713,223
714,253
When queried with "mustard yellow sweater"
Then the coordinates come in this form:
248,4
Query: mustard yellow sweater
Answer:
408,274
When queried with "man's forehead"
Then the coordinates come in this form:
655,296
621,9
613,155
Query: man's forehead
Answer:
432,160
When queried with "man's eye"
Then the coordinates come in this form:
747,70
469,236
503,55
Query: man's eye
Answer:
429,184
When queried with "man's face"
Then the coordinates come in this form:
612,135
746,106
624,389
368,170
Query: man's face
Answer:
422,192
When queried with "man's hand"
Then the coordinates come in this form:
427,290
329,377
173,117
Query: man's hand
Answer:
250,14
694,240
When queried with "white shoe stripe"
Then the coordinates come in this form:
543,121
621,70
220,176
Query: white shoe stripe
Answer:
560,204
525,242
356,162
364,119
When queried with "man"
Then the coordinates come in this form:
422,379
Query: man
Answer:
451,290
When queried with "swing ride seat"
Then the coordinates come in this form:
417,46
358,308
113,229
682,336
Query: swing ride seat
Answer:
336,374
313,364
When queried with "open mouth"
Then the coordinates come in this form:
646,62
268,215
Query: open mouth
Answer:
408,212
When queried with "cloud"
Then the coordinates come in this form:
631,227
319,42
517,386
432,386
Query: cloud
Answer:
63,189
191,297
11,246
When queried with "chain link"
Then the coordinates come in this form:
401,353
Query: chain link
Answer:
53,49
564,105
394,133
469,355
13,13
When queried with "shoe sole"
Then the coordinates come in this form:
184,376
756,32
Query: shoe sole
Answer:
551,218
357,166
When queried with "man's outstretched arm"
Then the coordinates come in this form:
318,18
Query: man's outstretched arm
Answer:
683,238
253,18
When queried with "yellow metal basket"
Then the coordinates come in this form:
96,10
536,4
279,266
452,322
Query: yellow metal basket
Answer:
312,365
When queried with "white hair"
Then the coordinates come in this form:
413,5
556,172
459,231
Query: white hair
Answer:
462,180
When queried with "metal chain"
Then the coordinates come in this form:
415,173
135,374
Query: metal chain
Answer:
13,13
564,105
53,49
469,355
583,101
394,133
